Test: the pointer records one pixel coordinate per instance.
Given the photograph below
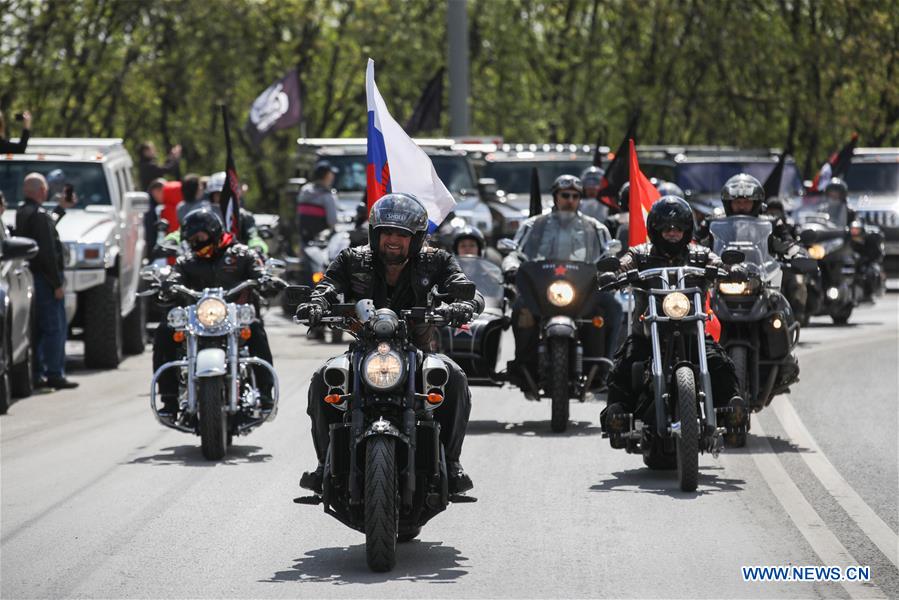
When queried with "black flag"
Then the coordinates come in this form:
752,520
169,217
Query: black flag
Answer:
276,108
536,200
618,173
230,198
772,183
426,115
836,165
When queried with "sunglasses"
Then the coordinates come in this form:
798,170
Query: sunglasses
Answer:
570,195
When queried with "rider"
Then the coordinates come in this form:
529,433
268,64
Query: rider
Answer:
469,241
591,204
395,271
563,233
670,228
317,203
216,260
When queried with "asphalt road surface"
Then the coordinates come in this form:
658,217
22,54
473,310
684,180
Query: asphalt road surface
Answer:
99,500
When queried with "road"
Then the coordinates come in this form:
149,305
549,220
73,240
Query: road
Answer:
99,500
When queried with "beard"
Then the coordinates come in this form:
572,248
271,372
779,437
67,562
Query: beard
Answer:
393,257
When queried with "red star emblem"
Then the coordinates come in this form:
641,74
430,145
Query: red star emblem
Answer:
561,270
466,329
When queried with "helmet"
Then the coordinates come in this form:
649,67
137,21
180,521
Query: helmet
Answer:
567,182
592,176
469,233
743,186
624,195
216,182
839,186
666,213
669,188
321,168
203,219
398,211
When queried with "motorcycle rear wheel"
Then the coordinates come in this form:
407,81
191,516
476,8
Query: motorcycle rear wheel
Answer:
558,383
381,503
213,418
688,442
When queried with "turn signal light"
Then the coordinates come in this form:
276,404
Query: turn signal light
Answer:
245,333
332,398
598,322
178,336
435,398
317,276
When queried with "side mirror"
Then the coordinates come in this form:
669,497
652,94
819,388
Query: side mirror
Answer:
265,232
297,294
732,257
802,264
19,247
139,201
150,273
162,226
614,248
808,236
608,263
462,290
275,266
506,246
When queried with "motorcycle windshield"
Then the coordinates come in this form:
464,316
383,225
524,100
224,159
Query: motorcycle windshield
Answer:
551,239
486,276
832,214
750,236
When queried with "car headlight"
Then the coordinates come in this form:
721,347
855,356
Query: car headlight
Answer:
817,251
560,293
246,314
676,305
177,318
733,288
383,368
211,312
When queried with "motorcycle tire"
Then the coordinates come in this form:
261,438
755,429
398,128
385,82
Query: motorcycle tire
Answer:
841,317
213,418
558,384
688,441
381,503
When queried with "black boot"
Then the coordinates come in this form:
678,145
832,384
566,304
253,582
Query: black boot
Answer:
169,407
459,481
312,480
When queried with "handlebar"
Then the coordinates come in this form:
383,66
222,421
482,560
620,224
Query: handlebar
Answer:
710,272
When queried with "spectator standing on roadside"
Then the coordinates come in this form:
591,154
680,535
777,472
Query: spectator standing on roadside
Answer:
149,170
151,217
7,147
50,323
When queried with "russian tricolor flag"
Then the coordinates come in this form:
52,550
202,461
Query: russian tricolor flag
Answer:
396,163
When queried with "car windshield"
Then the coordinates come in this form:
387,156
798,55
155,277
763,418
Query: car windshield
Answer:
486,276
453,171
873,177
514,177
87,179
748,235
709,178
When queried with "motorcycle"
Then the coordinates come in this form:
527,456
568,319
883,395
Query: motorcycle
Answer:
675,418
218,397
385,471
758,329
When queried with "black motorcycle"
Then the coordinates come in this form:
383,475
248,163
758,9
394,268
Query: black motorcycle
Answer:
385,472
675,416
758,329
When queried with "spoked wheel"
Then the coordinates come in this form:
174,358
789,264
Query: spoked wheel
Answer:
381,504
213,418
688,441
558,383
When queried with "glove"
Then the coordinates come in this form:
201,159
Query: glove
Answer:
607,279
738,273
311,312
458,314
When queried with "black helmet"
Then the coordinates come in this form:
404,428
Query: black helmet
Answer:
398,211
670,212
592,176
203,219
321,168
839,186
669,188
624,195
743,186
567,182
469,232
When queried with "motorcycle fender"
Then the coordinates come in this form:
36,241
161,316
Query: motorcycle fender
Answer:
210,363
560,327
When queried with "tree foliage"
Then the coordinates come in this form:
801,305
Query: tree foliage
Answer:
800,74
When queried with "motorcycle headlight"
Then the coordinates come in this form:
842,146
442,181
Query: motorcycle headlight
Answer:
246,314
733,288
560,293
211,312
676,305
817,251
177,318
383,368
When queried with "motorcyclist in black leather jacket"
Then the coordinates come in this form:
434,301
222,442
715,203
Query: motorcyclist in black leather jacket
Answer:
670,228
216,260
396,271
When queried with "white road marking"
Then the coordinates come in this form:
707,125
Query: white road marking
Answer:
810,524
873,526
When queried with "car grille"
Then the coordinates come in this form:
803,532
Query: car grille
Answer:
883,218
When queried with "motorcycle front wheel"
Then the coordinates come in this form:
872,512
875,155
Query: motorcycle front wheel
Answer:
558,383
381,503
688,441
213,417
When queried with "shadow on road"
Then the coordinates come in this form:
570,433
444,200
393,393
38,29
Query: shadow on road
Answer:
192,456
828,324
532,428
415,561
664,483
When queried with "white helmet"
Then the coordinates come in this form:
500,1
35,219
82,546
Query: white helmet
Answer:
216,182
